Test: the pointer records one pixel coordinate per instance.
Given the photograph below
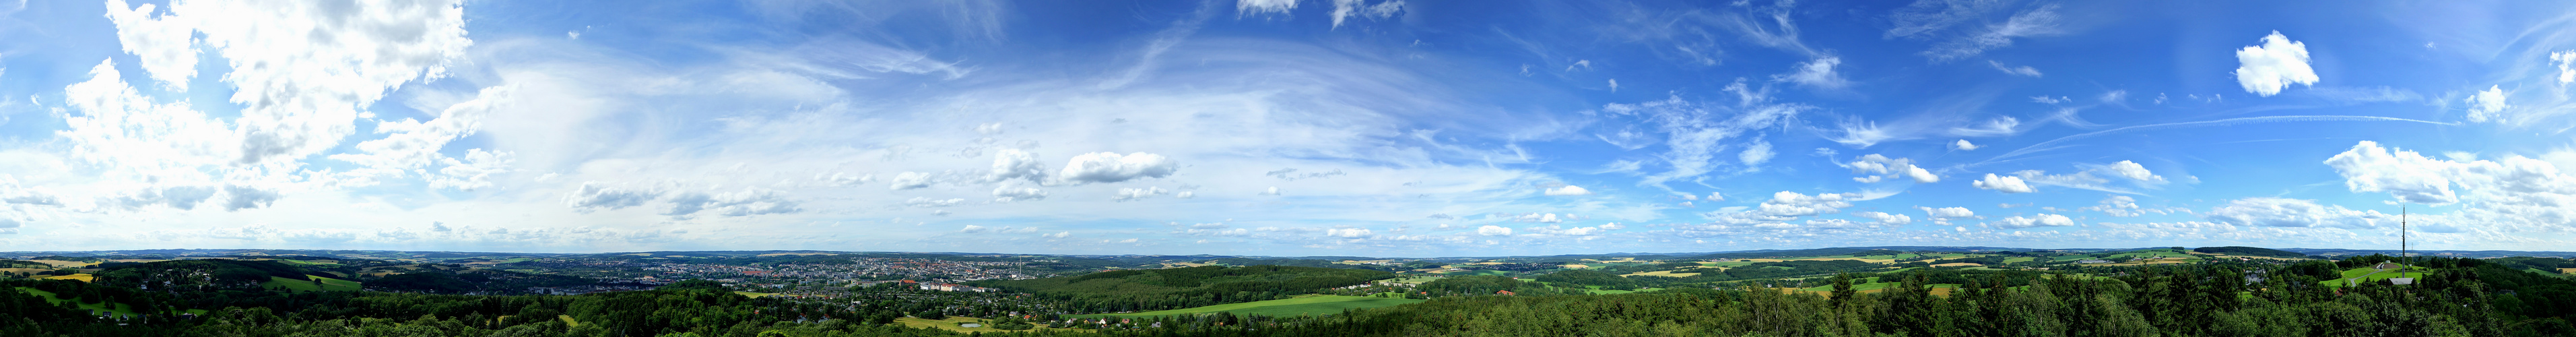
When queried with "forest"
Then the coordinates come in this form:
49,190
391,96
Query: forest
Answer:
2460,297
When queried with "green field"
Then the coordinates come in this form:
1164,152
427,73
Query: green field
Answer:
1315,305
2413,272
328,284
1615,292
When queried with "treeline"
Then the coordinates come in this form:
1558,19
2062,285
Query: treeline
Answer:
2249,251
1173,288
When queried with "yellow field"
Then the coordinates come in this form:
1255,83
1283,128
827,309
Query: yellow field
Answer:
78,277
1577,266
62,264
1958,264
24,270
1663,273
2567,270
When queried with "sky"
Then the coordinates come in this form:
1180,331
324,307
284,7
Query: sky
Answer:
1400,128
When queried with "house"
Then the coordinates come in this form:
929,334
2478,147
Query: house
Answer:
2385,266
1505,293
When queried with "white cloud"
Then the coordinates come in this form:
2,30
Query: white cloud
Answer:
2042,220
2016,71
1756,154
748,202
1787,204
2276,64
2409,176
1612,226
1348,232
1818,73
1125,194
2512,193
1886,218
165,43
2004,184
1946,213
2566,61
2000,126
2038,21
1493,231
1875,167
2488,104
1016,164
117,127
1185,195
1274,190
1695,132
1282,7
1345,9
1058,235
412,144
303,70
1110,167
1012,193
1568,190
2283,212
971,229
909,180
474,172
928,202
1963,145
2131,170
593,195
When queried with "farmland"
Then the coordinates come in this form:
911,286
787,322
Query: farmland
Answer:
1310,305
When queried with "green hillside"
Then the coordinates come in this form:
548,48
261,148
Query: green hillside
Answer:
1313,305
308,284
2248,251
1156,289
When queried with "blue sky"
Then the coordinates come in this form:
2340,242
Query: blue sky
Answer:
1268,127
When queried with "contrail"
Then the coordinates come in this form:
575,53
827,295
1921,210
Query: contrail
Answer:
2054,144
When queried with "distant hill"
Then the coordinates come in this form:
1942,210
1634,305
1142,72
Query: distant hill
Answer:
2248,251
1174,288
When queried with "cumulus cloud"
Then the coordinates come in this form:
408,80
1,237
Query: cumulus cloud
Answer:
1884,218
1793,204
1568,190
1244,7
1011,193
909,180
1946,213
1274,190
928,202
2511,193
1110,167
2566,61
2091,177
303,70
1963,145
1125,194
412,144
2277,63
1490,230
593,195
1347,232
2486,105
1875,167
2284,212
1058,235
246,197
1016,164
112,124
2042,220
2004,184
748,202
2409,176
165,43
